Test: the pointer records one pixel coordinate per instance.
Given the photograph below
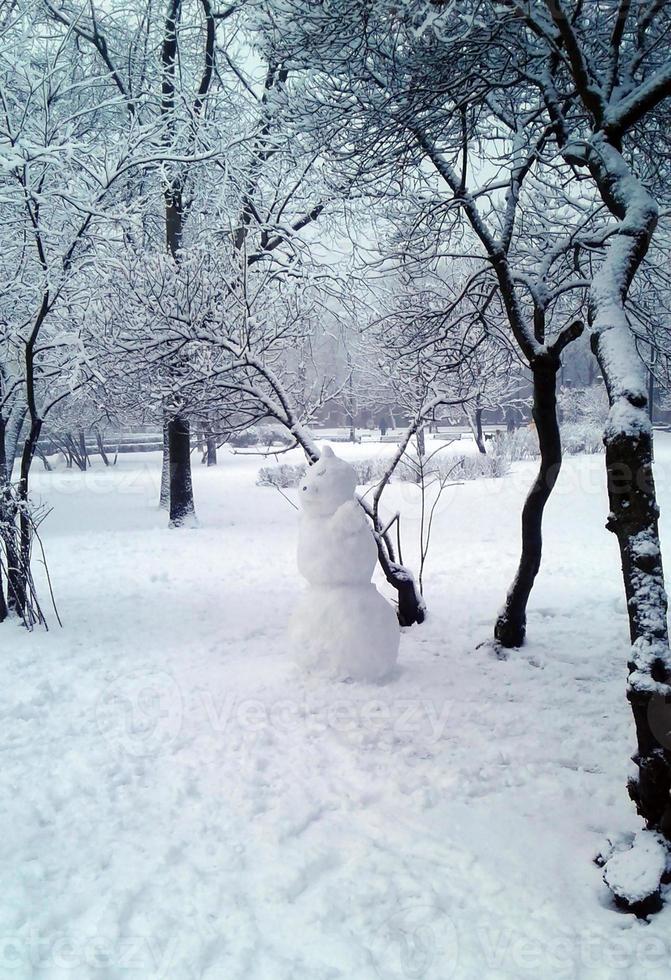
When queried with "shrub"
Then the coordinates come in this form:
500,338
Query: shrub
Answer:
273,435
457,468
370,469
286,475
283,475
582,437
244,439
520,444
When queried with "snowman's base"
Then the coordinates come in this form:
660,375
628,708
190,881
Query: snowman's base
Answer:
345,632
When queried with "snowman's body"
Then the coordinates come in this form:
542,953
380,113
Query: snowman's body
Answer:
342,625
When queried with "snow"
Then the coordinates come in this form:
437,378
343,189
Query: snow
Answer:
181,801
634,873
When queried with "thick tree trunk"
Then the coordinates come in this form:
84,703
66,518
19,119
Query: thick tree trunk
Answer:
4,611
4,516
510,626
164,494
633,519
19,582
182,509
14,600
633,504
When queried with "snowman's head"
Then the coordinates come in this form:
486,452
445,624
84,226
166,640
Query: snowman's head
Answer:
327,484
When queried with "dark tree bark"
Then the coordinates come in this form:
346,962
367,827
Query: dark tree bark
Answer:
182,510
20,580
4,516
633,519
421,442
164,495
177,438
411,609
510,626
211,449
101,448
634,512
4,611
475,422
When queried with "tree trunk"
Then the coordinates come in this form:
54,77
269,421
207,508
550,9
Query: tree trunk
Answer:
101,448
19,581
479,434
421,442
475,423
631,488
4,611
4,515
182,510
211,449
633,519
164,495
510,626
14,600
83,454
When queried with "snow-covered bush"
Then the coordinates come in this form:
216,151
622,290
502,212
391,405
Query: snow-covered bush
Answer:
286,475
283,475
583,413
494,465
520,444
583,405
582,437
244,439
260,435
273,435
370,469
473,466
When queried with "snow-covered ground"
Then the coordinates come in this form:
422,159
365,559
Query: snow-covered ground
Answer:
179,801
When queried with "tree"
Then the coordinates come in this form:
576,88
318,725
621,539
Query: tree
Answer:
172,99
618,68
56,194
552,85
422,118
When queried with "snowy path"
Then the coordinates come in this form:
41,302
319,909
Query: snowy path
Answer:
179,802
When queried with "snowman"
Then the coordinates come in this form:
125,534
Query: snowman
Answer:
342,626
